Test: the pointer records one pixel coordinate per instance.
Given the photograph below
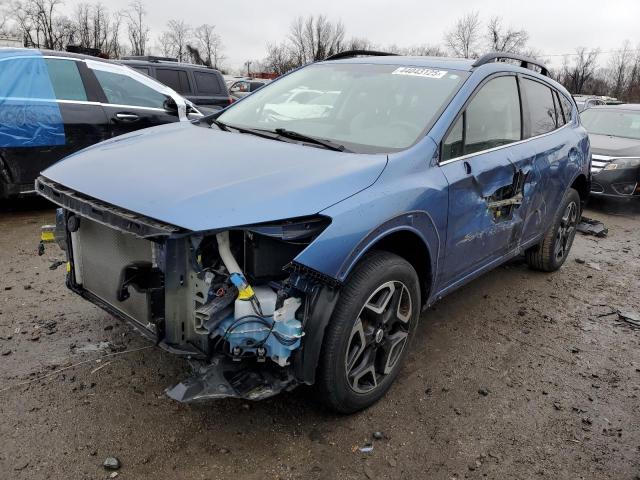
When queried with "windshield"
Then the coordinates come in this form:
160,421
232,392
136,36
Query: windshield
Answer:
365,107
618,123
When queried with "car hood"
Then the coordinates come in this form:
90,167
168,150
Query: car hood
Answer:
203,178
614,146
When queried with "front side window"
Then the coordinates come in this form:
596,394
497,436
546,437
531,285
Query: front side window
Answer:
368,108
613,122
541,108
492,119
66,80
123,90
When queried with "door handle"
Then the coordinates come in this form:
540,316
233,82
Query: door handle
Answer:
467,167
127,117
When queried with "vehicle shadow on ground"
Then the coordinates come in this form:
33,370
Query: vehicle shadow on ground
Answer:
614,206
26,204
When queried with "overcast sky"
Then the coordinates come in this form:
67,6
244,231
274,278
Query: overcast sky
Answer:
555,26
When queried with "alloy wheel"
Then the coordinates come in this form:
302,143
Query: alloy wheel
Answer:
378,337
566,231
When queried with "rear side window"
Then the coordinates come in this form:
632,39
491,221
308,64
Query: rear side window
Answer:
560,121
176,79
207,83
542,113
66,80
491,119
124,90
567,107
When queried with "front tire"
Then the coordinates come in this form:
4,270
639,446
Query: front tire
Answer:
553,250
369,333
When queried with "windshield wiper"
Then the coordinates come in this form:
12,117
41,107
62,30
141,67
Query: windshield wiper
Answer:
213,120
283,132
218,123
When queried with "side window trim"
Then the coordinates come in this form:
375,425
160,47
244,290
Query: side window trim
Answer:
553,95
462,113
91,84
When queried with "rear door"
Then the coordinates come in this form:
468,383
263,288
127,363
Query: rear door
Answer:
549,145
485,187
131,103
47,114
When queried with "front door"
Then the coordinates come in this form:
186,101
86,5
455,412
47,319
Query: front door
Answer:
485,184
131,104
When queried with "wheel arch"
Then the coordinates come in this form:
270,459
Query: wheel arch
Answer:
583,187
412,236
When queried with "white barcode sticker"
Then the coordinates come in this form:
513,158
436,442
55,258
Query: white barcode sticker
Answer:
419,72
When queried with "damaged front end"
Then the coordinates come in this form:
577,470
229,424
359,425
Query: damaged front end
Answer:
234,302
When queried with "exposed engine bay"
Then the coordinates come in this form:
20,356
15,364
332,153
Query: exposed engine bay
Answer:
233,302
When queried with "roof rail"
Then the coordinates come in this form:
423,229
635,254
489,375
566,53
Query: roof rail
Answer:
525,62
150,58
355,53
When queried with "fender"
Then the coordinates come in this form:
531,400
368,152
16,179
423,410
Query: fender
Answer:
418,222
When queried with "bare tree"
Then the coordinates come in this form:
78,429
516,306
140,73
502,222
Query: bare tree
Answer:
4,18
280,59
164,45
464,38
137,28
620,69
423,51
576,76
209,44
315,38
633,88
177,35
506,40
114,48
40,23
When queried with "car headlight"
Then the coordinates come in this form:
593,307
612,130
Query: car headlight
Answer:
621,163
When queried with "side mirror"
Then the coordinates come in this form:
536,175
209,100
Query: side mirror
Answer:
171,106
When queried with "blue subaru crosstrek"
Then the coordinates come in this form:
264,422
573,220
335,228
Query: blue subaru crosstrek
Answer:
295,237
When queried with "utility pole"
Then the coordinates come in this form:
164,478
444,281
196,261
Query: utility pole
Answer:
248,64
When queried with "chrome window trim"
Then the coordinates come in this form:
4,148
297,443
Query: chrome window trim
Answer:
80,102
519,142
118,105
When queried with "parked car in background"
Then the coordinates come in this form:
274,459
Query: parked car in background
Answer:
614,131
231,79
242,88
53,104
199,84
587,101
301,250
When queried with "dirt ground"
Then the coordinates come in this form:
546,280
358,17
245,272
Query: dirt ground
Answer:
517,375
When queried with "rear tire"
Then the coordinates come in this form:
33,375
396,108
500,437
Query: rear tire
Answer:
369,333
552,251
